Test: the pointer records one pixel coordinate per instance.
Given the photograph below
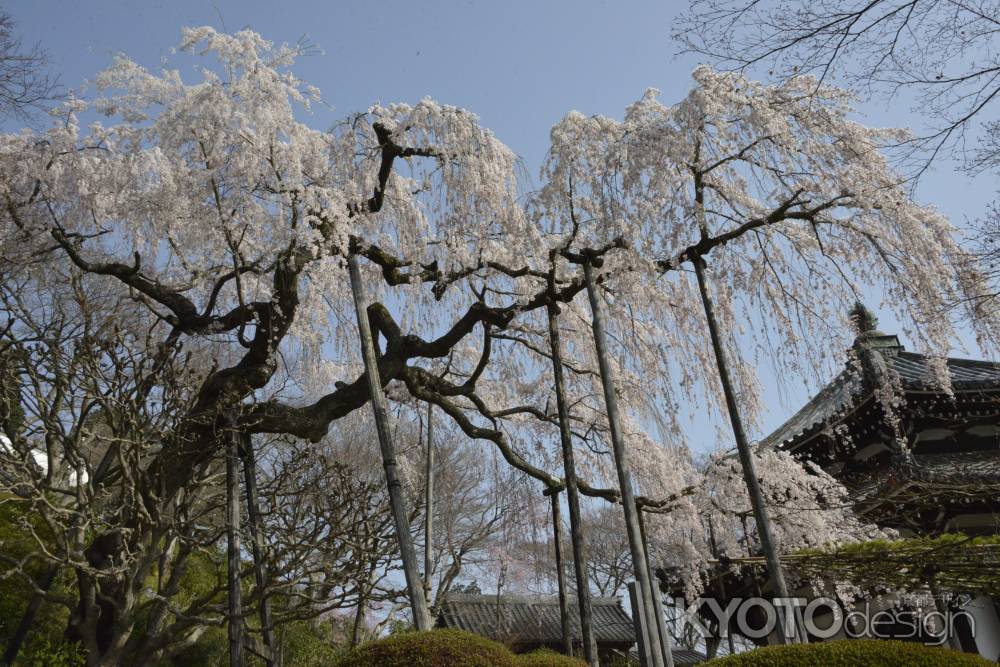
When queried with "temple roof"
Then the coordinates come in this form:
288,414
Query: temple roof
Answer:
847,390
965,374
532,619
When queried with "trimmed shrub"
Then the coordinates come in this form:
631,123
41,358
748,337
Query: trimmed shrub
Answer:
852,653
436,648
548,658
308,644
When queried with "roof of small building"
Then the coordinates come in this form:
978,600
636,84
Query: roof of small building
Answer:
915,373
682,656
532,619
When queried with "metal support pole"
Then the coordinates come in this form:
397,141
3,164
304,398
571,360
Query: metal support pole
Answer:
257,544
414,585
621,458
572,493
235,630
742,443
567,633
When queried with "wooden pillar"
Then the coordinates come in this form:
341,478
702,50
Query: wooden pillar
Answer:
567,632
657,601
414,585
621,461
235,629
429,507
639,620
722,579
572,492
743,446
257,544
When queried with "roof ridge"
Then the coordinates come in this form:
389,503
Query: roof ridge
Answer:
523,598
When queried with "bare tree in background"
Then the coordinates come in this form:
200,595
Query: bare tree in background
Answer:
470,505
609,566
329,535
941,54
25,84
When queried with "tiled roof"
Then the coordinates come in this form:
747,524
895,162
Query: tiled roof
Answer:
966,374
532,619
835,398
682,656
847,389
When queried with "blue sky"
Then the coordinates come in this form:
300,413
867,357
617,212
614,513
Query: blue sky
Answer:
520,65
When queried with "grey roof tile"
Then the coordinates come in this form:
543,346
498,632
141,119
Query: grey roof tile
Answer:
682,656
846,390
532,619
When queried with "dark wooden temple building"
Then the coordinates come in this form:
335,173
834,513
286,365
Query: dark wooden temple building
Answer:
918,455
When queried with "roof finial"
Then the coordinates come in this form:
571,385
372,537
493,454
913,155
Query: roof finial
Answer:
863,319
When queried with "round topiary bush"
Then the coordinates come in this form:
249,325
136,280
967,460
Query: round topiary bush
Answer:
852,653
436,648
546,658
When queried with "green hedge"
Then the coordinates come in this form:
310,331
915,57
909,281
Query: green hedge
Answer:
437,648
852,653
447,648
547,658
